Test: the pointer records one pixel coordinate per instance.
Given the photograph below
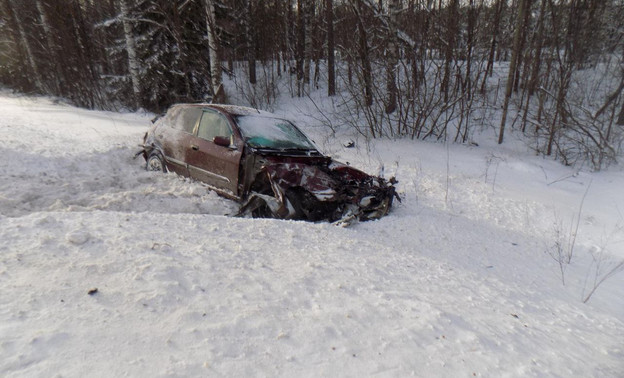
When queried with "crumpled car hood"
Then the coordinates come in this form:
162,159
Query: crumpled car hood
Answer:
313,179
332,192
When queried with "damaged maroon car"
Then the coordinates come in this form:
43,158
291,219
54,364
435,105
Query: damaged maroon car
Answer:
264,162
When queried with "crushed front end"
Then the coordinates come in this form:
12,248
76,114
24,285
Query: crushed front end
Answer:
317,189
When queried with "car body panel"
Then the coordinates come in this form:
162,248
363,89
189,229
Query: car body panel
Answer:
213,164
174,151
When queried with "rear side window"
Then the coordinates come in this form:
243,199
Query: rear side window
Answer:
185,119
213,124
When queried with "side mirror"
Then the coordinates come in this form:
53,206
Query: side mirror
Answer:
221,141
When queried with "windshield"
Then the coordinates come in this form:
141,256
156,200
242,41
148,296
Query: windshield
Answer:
275,133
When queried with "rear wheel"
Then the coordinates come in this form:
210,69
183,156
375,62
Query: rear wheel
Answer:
155,163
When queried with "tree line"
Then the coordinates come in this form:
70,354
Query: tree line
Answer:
427,69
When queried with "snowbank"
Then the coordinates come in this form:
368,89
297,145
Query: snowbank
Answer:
457,281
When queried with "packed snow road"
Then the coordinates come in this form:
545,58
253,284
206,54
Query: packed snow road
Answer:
456,281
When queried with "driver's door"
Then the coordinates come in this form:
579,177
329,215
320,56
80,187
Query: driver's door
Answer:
209,162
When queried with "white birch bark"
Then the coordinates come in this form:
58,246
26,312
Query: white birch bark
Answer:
133,63
214,53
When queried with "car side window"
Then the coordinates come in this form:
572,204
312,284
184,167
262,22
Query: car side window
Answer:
187,119
213,124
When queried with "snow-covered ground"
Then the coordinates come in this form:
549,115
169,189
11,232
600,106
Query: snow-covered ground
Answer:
457,281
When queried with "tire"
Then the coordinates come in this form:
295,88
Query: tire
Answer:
155,163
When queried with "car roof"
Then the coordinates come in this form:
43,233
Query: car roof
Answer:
229,109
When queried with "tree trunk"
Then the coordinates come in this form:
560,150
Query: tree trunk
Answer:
523,31
251,41
451,35
289,37
87,83
512,66
620,120
490,65
364,57
300,50
309,15
133,63
51,45
29,52
216,74
177,30
331,70
539,42
392,57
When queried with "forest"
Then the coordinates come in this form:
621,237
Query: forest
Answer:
551,70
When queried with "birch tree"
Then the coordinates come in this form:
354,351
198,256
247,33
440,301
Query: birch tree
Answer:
214,54
133,63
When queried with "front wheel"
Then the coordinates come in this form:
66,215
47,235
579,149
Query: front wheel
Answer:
155,163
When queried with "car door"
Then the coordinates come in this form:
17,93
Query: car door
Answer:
177,135
209,162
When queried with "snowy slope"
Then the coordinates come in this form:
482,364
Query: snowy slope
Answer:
455,282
